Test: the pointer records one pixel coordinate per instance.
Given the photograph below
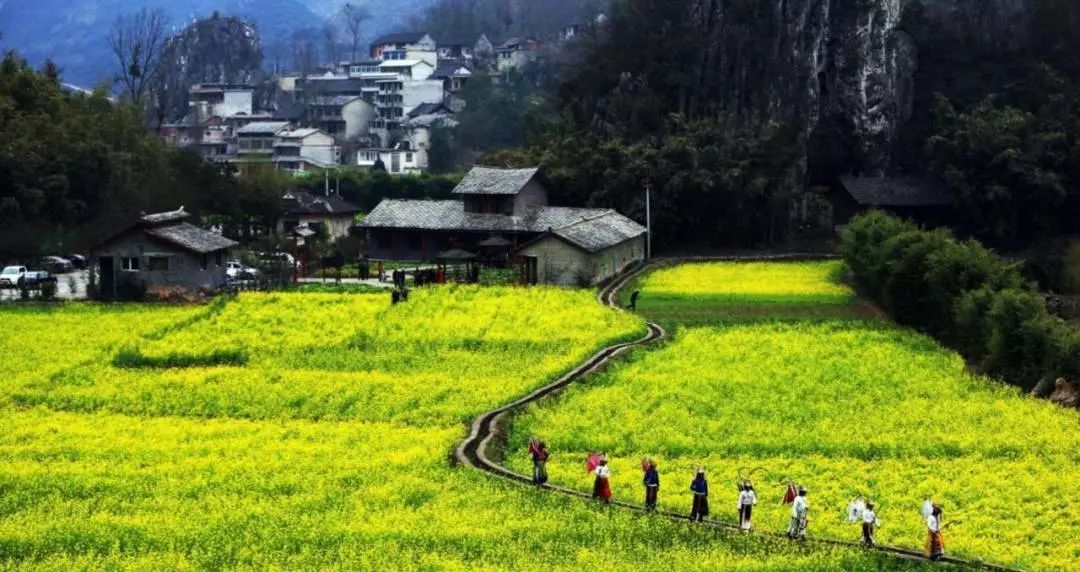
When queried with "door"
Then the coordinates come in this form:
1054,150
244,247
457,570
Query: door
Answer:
106,278
532,268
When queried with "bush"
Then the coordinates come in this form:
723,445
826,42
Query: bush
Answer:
963,294
863,247
48,291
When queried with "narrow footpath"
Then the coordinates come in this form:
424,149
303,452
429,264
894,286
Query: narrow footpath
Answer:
475,450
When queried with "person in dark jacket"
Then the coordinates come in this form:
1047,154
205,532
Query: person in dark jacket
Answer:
700,488
652,484
540,455
633,300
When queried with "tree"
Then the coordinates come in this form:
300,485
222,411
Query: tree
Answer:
354,17
136,41
330,45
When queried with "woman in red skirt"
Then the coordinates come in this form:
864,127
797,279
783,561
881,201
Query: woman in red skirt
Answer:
602,485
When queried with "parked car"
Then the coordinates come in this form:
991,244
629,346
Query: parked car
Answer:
237,271
35,278
57,265
78,260
13,276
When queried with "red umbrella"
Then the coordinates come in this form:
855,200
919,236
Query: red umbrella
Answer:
592,462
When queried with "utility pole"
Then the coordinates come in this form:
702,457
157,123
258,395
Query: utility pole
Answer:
326,182
337,182
648,220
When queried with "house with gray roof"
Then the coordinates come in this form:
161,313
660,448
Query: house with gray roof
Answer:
920,197
161,251
562,245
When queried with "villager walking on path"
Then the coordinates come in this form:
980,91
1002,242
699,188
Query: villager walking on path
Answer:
538,451
633,300
700,488
869,523
652,483
935,544
602,484
799,519
747,500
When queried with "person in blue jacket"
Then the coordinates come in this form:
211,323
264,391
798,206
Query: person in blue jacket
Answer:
700,488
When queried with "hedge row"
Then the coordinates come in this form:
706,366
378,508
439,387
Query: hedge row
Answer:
962,294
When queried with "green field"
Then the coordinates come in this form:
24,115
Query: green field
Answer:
844,406
310,431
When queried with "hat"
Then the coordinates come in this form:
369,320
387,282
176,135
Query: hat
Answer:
802,490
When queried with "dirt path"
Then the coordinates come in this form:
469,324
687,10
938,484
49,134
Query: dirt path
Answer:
476,450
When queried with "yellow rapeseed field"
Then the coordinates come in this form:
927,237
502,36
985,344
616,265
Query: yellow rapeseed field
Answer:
844,407
310,431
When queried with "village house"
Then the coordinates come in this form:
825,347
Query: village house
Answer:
161,251
585,252
404,46
516,53
343,117
465,47
920,198
507,207
331,214
304,150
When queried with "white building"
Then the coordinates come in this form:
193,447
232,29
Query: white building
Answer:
405,46
344,117
220,100
304,150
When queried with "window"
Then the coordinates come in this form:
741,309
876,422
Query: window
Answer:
159,263
129,264
408,158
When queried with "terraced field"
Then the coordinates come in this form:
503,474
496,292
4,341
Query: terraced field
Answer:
821,393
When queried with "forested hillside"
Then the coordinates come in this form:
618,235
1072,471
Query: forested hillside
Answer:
727,109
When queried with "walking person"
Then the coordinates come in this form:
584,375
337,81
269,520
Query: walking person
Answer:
633,301
700,488
538,451
869,523
602,484
652,484
747,500
799,511
935,543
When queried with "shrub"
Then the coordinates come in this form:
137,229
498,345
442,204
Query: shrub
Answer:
963,294
863,247
48,290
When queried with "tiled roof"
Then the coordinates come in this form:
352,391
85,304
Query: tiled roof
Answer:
488,181
262,128
451,215
399,38
449,68
896,191
333,99
301,133
191,237
303,202
600,232
161,218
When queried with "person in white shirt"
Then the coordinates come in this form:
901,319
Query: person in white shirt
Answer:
747,500
602,484
935,544
869,522
855,509
927,508
799,509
